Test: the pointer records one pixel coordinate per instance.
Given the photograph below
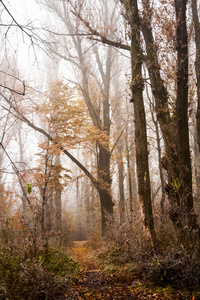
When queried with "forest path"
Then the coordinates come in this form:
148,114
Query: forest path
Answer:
94,284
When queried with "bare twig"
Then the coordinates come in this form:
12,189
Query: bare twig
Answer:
17,173
102,38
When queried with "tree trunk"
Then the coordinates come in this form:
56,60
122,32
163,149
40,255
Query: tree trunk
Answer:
121,185
129,180
77,53
161,171
21,167
106,211
159,91
197,65
104,188
137,85
57,199
131,164
167,123
197,68
183,147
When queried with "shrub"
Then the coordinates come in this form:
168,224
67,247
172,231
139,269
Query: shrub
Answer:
44,277
37,283
177,268
176,262
58,263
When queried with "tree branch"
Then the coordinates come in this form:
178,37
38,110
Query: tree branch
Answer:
115,144
102,38
18,174
42,131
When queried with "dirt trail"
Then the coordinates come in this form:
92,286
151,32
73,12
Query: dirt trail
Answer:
94,284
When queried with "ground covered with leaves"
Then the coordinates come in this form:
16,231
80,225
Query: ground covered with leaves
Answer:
101,278
80,273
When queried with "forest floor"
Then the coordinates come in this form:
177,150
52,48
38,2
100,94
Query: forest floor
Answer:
108,282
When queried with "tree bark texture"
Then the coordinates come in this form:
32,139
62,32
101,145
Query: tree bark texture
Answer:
197,66
159,91
137,85
121,185
104,188
183,147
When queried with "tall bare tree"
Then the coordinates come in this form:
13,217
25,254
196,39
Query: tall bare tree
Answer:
78,53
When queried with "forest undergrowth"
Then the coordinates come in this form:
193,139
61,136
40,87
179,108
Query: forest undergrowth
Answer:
113,271
45,275
123,266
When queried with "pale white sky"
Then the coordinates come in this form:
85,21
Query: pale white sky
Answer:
29,57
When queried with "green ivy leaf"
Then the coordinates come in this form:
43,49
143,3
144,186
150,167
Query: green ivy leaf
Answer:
29,188
145,176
